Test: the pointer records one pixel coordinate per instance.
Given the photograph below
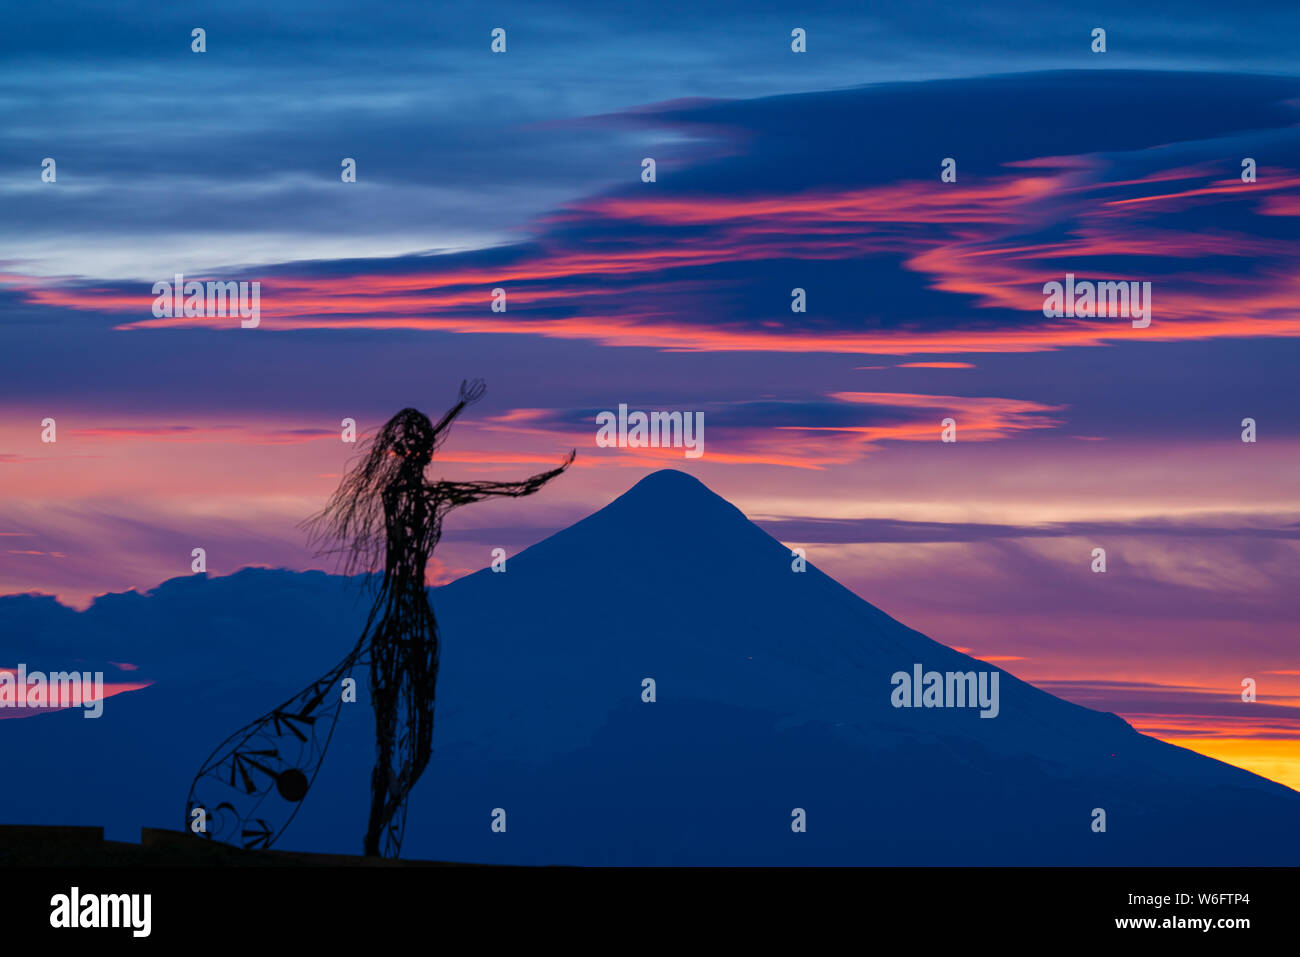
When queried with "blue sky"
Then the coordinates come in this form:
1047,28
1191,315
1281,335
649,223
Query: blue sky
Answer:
775,170
231,157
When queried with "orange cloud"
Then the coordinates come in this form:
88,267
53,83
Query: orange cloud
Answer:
935,365
957,237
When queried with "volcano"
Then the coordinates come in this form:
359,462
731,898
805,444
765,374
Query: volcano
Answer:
776,734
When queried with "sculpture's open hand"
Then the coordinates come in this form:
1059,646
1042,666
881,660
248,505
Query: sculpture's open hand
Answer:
472,391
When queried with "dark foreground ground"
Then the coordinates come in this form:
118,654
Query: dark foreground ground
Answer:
29,846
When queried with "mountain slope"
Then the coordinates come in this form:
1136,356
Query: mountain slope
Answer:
773,693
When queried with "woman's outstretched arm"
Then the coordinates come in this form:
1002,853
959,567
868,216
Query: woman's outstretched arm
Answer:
462,493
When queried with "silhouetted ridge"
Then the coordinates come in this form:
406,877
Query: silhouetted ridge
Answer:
773,690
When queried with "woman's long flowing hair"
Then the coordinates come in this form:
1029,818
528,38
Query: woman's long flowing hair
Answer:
351,525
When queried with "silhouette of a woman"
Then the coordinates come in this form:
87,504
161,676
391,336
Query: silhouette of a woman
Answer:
384,507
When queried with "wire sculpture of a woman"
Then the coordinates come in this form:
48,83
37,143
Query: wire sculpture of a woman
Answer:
253,784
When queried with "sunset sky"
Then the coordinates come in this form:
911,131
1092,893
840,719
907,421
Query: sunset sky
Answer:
775,170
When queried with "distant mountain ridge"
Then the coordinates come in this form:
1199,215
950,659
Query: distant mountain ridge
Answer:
772,694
